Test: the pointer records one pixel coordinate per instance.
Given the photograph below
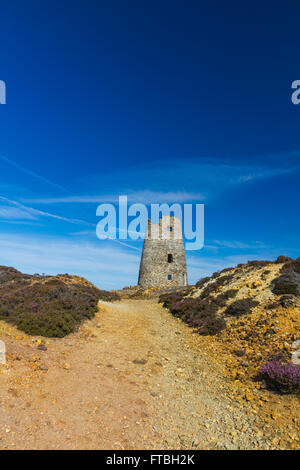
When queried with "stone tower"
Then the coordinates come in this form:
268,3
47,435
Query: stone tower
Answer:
163,260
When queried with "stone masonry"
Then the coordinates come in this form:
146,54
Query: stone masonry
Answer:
163,260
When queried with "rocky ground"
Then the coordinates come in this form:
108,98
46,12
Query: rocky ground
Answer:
135,377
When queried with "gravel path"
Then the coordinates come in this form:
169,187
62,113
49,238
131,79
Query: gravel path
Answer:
132,378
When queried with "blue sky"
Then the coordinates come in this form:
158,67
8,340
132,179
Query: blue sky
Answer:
166,101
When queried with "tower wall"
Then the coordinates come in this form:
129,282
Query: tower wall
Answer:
163,260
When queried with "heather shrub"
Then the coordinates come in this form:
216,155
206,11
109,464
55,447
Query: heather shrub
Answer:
196,312
286,301
213,287
266,272
209,289
48,306
272,305
108,296
170,299
283,259
285,285
215,275
10,274
211,326
222,298
259,264
289,280
220,281
291,267
202,282
225,270
241,307
280,376
225,280
186,307
192,312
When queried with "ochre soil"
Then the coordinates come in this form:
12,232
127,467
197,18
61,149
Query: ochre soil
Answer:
140,380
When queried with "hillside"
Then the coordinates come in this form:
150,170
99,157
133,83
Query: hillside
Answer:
134,376
253,311
51,306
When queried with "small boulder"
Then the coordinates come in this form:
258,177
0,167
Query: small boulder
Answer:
2,353
296,344
296,358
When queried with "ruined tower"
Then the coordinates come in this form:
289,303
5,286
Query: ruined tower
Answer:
163,260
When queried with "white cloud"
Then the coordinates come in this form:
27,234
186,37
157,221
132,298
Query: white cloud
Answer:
234,244
35,213
7,212
194,180
143,196
201,176
32,174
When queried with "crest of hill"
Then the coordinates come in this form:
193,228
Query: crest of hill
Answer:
234,292
51,306
139,293
261,281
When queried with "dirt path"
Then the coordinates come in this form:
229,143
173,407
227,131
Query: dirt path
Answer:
139,380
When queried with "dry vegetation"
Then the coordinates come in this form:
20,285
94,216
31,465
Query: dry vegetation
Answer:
254,311
135,375
51,306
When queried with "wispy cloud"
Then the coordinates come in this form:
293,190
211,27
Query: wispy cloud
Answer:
263,173
143,196
82,233
234,244
8,212
32,174
30,212
25,212
91,233
194,180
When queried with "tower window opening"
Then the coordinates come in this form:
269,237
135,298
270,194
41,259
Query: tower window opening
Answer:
170,258
169,277
170,229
